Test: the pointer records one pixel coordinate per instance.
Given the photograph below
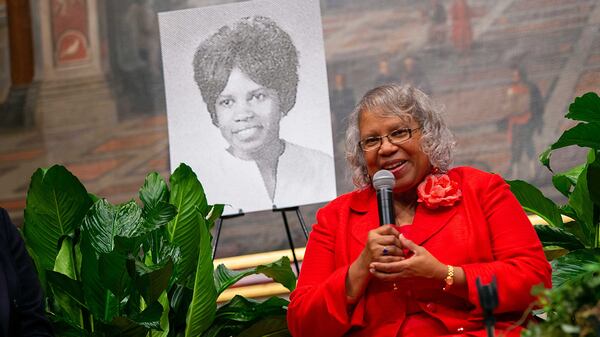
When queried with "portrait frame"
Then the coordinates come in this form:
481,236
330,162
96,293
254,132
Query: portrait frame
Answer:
306,126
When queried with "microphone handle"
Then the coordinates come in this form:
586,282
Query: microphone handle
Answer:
385,205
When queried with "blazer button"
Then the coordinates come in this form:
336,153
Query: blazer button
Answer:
431,307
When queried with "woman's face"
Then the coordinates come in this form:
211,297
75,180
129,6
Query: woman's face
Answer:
248,115
406,161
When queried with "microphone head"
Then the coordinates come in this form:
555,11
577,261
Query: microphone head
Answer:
383,179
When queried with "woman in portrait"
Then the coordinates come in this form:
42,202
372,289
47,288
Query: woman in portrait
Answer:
416,276
247,74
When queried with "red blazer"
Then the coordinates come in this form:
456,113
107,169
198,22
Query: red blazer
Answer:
486,233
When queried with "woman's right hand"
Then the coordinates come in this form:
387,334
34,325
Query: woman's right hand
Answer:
382,245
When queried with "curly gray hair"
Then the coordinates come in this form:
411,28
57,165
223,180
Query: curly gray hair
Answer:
408,103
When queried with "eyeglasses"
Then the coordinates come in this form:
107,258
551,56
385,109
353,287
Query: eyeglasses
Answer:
395,137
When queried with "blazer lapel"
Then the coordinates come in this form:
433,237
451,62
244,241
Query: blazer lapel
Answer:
427,222
364,215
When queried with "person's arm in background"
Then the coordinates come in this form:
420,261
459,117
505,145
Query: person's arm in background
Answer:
28,297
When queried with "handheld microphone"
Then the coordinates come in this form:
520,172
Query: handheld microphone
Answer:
383,182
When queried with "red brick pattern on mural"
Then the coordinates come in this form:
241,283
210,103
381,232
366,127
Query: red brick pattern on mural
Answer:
131,142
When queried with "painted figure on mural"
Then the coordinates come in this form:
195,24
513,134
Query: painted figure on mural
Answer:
384,75
462,35
342,103
413,74
525,104
133,34
438,18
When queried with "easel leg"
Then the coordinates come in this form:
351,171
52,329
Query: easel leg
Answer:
289,235
302,224
218,234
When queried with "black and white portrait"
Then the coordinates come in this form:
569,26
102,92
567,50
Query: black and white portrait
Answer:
247,102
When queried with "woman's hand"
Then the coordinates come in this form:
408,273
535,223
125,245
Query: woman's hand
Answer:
383,246
420,264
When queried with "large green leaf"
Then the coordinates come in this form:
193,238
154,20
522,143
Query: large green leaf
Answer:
66,267
532,200
582,134
274,326
215,212
593,179
554,236
241,313
56,205
104,222
154,190
114,273
184,230
151,281
154,194
202,309
571,267
585,108
163,299
280,271
101,301
566,181
583,206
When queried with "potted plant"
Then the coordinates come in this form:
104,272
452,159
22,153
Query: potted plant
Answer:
573,246
132,270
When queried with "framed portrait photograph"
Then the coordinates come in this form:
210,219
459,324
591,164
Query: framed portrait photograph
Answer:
247,102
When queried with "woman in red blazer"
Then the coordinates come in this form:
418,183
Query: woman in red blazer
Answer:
416,277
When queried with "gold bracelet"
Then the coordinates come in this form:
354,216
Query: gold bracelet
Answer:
449,278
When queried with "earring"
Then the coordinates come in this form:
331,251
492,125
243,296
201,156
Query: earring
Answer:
435,170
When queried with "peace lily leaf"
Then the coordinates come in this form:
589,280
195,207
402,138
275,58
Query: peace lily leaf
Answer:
101,301
593,179
201,311
65,267
65,260
154,190
104,222
114,274
275,326
241,313
126,327
64,327
571,267
154,194
157,216
566,181
56,205
152,281
585,108
532,200
280,271
582,134
164,318
583,207
245,310
215,212
184,229
554,236
68,295
150,317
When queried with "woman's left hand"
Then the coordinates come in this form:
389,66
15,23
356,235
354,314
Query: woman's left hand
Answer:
420,264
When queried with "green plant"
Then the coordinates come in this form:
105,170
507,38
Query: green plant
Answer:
577,241
131,270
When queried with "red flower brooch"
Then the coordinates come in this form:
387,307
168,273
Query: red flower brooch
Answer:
438,190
